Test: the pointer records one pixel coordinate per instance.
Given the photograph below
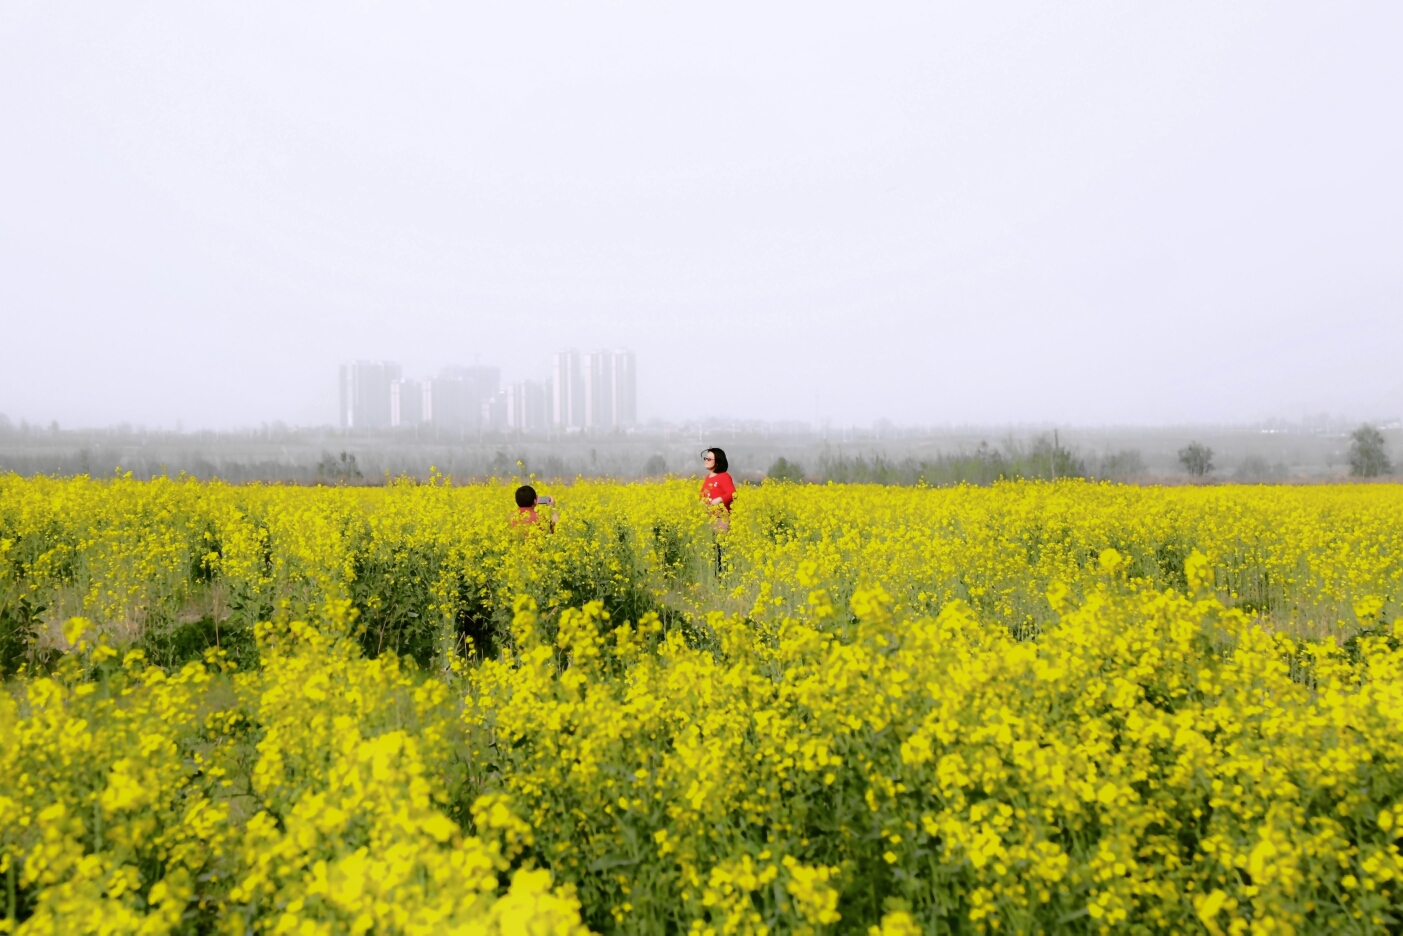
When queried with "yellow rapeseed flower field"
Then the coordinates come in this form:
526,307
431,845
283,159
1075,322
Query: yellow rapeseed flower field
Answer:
1030,708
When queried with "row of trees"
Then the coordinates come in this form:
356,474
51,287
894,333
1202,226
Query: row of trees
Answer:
1049,460
1046,459
1367,455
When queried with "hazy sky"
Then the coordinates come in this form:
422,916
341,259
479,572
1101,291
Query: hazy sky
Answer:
1080,213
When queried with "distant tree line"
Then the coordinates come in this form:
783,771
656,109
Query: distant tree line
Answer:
1046,459
1368,458
300,457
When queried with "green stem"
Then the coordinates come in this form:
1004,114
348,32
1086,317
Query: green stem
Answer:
13,910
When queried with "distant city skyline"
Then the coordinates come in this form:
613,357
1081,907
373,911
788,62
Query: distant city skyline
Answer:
594,391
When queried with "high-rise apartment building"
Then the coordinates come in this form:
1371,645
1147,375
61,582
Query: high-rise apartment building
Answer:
411,402
599,410
486,380
610,390
394,402
458,394
366,394
527,406
454,403
567,403
623,389
494,411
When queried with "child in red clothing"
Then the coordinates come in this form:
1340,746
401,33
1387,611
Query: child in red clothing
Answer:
526,503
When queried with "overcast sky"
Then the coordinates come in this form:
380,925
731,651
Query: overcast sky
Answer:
932,213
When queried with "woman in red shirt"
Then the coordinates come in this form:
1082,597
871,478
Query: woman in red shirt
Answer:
717,492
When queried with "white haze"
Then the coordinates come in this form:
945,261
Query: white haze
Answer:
930,213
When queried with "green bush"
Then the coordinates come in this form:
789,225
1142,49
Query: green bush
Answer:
785,471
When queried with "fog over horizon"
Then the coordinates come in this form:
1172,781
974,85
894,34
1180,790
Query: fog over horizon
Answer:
934,215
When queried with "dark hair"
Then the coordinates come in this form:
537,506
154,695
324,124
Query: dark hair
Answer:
526,496
721,463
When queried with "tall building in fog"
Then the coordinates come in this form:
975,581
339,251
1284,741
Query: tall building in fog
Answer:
610,391
528,406
567,382
411,402
494,411
623,389
458,394
598,408
366,394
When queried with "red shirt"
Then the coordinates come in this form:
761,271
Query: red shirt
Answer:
525,516
719,485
